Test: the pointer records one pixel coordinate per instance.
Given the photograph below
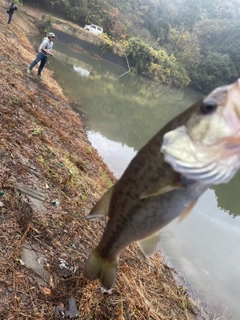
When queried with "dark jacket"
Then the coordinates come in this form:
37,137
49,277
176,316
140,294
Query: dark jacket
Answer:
12,9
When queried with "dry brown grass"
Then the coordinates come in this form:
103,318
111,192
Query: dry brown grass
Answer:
39,130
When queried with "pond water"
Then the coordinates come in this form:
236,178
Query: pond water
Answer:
121,116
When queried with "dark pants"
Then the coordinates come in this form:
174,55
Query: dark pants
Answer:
40,57
10,17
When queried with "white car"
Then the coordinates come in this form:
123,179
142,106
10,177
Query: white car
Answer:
93,29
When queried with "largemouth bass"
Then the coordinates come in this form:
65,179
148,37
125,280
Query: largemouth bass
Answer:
197,149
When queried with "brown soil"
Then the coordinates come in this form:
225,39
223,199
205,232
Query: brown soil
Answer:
44,147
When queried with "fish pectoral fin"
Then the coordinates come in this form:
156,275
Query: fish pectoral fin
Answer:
102,206
159,189
187,211
149,245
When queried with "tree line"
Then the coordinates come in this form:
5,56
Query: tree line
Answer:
175,42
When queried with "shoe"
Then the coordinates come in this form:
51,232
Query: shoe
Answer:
29,70
39,77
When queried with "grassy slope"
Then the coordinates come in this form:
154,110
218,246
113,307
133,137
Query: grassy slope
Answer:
39,130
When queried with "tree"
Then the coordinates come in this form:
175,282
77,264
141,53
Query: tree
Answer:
230,44
215,69
157,64
184,46
207,32
189,13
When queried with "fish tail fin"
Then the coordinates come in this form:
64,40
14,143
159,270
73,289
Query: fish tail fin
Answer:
101,268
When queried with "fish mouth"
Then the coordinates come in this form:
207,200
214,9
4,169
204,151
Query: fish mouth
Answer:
206,164
211,173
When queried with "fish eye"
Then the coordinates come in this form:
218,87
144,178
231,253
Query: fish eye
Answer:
208,107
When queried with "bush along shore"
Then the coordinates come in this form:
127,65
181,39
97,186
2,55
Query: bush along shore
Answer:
50,177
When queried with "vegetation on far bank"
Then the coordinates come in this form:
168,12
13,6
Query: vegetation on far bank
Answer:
175,42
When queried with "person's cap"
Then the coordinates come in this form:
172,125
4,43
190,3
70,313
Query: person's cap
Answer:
51,34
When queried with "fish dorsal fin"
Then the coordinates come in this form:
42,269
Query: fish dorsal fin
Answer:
102,206
187,211
149,245
160,188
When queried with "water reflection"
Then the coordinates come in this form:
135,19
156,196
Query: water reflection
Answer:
117,155
207,245
81,71
125,108
229,201
122,115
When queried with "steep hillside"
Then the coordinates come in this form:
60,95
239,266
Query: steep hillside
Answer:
50,177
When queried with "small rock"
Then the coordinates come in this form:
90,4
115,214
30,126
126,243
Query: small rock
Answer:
55,203
103,290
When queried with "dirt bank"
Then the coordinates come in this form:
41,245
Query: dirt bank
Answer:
50,177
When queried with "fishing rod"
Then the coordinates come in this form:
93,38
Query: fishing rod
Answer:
64,64
73,70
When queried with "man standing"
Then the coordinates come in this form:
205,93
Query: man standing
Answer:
11,11
44,51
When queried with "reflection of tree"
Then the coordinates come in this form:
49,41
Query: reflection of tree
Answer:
228,196
131,110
